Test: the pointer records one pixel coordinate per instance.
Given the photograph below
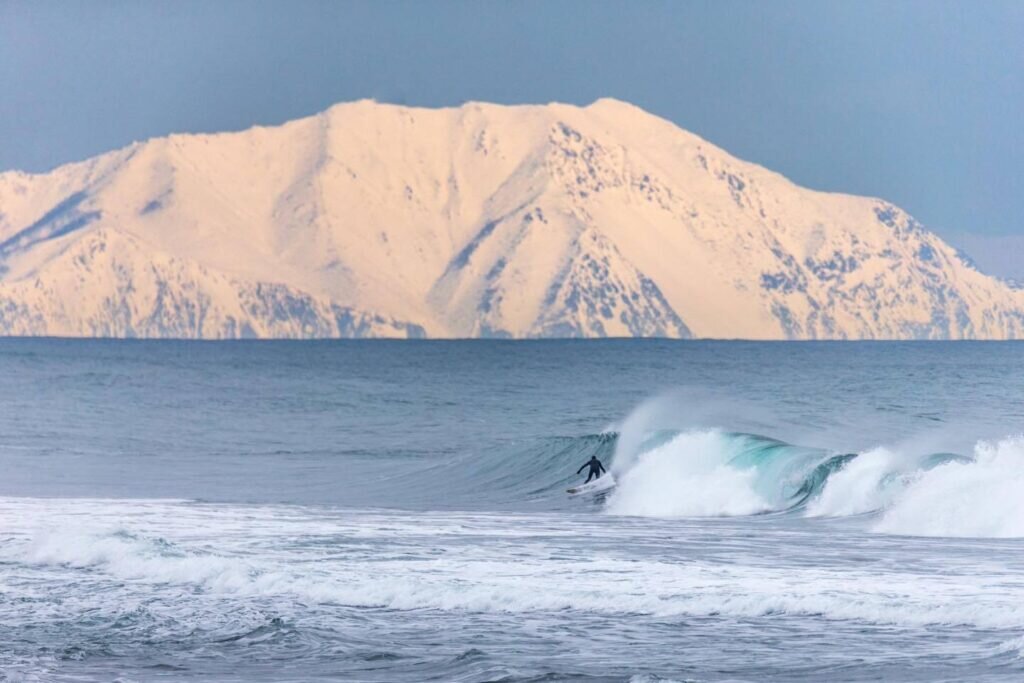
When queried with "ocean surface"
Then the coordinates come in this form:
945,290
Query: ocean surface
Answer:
397,511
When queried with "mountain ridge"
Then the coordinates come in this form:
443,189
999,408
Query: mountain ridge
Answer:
474,221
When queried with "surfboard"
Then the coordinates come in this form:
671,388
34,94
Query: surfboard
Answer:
599,484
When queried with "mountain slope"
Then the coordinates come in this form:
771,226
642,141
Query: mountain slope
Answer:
482,220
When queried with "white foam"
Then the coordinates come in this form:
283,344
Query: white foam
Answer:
982,498
1014,646
474,580
860,486
135,559
687,477
238,552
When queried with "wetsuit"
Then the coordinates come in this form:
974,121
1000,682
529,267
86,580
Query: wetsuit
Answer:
596,469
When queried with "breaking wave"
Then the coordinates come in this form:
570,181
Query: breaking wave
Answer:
714,473
978,496
711,472
707,471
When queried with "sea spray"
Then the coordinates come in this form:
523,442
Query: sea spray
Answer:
689,476
864,484
980,497
714,473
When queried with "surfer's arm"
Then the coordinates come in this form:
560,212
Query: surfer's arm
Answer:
581,468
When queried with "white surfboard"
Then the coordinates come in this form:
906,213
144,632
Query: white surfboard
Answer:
600,484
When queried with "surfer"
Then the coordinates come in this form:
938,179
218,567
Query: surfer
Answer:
596,469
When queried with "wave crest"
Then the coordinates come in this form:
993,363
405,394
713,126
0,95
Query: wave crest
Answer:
689,476
709,473
976,497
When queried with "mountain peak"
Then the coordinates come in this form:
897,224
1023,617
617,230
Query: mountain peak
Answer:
614,104
374,219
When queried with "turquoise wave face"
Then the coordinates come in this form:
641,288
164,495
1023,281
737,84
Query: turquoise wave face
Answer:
814,482
530,474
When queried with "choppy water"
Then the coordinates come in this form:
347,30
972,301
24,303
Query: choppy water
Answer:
397,511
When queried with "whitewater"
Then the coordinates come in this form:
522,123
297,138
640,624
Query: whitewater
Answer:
397,511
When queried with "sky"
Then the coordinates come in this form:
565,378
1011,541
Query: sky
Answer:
917,102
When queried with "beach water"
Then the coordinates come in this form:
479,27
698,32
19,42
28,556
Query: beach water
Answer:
397,511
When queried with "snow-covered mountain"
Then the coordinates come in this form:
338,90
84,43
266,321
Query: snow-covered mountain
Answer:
482,220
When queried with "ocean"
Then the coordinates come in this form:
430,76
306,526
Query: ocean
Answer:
397,511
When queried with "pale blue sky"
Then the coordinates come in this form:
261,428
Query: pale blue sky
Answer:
920,102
